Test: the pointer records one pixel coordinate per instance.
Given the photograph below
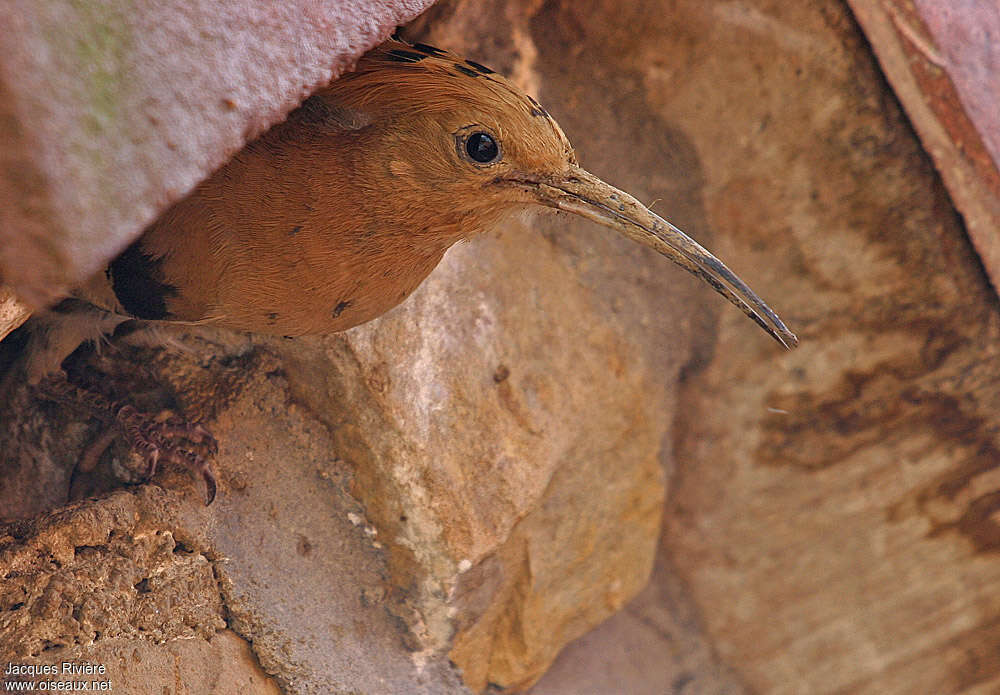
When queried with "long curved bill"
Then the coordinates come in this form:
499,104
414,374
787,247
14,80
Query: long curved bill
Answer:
582,193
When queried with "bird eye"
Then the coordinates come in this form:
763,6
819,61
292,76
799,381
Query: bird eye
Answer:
482,147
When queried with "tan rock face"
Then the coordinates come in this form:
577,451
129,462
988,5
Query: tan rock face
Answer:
833,513
101,572
126,658
509,459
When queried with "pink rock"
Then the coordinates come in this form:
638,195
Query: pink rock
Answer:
109,112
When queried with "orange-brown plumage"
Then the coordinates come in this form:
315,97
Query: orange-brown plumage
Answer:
336,215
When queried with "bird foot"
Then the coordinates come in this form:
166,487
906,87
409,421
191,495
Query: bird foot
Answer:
152,440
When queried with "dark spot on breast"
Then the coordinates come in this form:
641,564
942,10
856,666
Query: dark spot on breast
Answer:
398,56
295,230
430,50
272,317
339,309
681,682
501,374
482,69
137,281
466,71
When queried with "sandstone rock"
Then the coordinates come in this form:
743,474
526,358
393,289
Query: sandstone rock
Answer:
655,645
104,571
833,512
509,460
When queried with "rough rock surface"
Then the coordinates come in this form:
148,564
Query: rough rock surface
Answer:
283,558
111,111
111,585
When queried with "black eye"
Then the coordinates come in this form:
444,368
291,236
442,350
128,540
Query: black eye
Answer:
482,148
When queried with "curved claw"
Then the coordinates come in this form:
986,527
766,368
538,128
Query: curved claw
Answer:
152,440
209,477
149,439
196,463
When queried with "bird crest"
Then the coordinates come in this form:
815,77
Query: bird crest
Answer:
422,78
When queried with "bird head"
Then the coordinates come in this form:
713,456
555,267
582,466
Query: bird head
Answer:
470,144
